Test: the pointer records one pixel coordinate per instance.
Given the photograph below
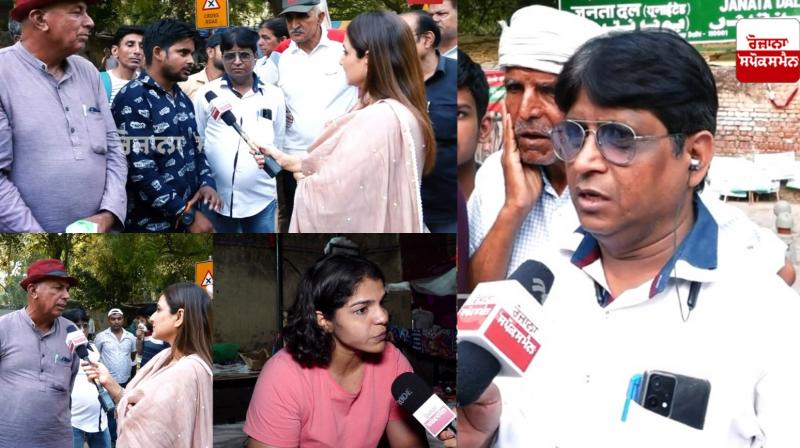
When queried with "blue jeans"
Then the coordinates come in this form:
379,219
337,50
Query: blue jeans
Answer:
261,222
94,439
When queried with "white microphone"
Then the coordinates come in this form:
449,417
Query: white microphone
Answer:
500,328
414,395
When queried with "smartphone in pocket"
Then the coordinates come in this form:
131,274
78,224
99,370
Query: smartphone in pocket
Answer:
677,397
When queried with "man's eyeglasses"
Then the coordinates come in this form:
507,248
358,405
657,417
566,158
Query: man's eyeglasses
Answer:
616,141
244,56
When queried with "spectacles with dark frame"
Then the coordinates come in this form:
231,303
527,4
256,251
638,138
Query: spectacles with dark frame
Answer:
616,141
244,56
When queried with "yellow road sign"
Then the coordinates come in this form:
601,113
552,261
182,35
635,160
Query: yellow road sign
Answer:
204,273
211,13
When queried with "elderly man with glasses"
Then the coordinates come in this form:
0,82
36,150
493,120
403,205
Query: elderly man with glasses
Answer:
248,192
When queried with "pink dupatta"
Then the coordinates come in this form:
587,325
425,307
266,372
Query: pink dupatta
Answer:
167,406
363,174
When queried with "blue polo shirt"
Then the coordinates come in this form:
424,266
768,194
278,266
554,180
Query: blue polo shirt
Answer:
439,187
166,165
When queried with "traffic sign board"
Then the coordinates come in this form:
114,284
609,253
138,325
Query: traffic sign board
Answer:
211,13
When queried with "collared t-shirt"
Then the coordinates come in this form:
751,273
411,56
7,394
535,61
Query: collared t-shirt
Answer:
245,189
116,353
439,187
316,91
60,156
165,160
37,372
739,336
295,406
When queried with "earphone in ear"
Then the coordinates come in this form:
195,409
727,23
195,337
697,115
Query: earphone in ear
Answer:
694,165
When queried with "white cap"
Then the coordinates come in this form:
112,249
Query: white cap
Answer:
115,311
542,38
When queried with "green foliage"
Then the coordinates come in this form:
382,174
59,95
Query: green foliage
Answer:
481,16
110,14
113,269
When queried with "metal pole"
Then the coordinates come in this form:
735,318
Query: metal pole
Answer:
279,285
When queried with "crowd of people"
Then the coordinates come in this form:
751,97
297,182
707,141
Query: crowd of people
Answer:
51,395
362,123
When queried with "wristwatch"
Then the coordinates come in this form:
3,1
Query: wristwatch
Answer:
188,218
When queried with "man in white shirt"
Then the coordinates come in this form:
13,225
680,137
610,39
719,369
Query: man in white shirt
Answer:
128,50
314,86
643,285
117,347
248,193
520,201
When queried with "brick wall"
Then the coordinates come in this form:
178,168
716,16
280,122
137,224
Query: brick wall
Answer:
747,121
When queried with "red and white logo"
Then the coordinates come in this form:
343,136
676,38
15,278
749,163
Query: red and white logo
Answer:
768,50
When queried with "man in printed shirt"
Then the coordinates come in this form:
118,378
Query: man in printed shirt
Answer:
55,125
168,173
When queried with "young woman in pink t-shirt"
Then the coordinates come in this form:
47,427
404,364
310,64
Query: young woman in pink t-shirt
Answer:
331,385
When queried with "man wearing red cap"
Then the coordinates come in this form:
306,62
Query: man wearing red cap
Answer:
55,124
37,370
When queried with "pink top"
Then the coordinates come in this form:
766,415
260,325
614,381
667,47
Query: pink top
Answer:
295,406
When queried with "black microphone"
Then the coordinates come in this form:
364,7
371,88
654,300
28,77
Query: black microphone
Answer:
536,278
414,395
270,165
475,370
477,366
77,343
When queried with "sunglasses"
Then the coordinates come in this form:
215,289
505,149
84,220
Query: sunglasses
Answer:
244,56
616,141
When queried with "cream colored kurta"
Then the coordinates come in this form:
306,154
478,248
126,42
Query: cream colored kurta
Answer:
363,174
167,406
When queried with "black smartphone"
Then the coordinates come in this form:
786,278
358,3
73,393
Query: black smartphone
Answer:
678,397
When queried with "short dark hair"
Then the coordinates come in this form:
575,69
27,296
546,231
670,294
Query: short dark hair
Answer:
324,287
277,25
471,76
654,70
75,315
124,31
426,23
241,37
164,33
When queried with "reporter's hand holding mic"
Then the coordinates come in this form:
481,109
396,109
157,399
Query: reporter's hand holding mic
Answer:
286,161
96,372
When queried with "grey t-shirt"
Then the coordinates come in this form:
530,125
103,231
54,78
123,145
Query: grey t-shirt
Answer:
36,377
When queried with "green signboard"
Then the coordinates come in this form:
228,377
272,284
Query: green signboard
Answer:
695,20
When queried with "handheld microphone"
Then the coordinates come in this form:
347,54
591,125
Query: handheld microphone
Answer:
500,328
414,395
77,343
224,111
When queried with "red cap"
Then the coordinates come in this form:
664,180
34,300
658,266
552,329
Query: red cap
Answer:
47,269
20,12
